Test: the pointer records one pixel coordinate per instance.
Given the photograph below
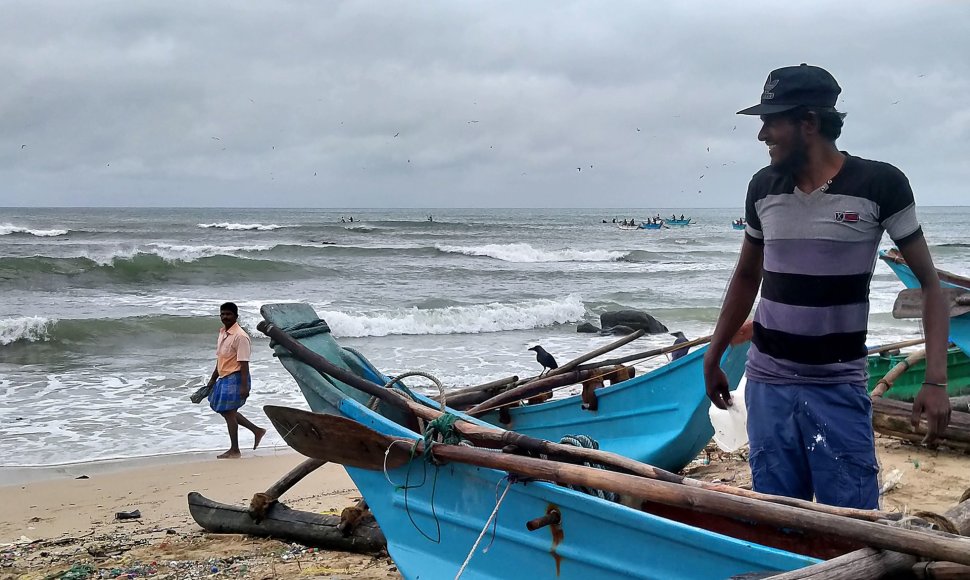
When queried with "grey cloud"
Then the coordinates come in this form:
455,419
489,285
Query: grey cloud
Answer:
227,103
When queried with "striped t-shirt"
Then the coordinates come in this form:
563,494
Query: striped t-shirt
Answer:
819,254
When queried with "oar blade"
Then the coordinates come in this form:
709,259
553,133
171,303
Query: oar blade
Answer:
337,439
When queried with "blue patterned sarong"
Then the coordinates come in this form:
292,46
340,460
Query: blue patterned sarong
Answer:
225,394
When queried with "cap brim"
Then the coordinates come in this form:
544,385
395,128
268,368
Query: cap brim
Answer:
761,109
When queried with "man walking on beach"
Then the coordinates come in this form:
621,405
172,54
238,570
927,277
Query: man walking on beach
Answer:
814,218
230,379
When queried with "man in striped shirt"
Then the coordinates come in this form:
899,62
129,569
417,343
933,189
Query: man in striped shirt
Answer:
815,217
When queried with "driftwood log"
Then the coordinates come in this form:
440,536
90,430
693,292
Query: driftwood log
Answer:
893,418
309,529
960,404
262,501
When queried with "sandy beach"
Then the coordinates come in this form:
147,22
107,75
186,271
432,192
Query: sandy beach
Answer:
55,525
52,525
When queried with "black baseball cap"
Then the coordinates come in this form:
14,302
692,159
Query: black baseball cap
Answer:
796,86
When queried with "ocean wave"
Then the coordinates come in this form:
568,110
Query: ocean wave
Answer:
189,265
471,319
25,328
94,332
235,226
524,253
8,229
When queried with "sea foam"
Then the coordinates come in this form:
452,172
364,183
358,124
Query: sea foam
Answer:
7,229
25,328
525,253
234,226
471,319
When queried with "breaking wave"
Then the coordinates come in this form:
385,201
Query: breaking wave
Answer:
234,226
8,229
524,253
471,319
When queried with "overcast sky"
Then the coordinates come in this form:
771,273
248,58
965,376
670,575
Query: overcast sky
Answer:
457,104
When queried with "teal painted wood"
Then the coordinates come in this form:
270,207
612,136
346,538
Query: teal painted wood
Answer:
431,516
737,226
651,226
660,418
683,222
959,325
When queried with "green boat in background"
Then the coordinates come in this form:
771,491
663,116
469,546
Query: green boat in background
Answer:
910,382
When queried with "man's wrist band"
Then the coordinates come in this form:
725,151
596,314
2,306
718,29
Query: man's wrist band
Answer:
935,384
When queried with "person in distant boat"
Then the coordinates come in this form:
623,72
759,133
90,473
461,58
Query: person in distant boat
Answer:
231,381
815,216
342,220
614,220
430,218
681,217
351,219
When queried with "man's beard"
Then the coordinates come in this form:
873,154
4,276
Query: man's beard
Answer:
797,158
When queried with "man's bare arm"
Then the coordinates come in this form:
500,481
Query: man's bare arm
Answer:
932,399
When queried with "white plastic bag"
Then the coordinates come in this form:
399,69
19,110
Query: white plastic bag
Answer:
730,426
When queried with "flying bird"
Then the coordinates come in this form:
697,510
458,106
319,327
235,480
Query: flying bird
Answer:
679,340
22,146
545,359
398,133
579,169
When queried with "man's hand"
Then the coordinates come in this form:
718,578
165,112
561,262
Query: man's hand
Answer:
935,402
716,384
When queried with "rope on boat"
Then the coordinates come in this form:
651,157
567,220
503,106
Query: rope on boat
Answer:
395,383
492,517
589,443
304,330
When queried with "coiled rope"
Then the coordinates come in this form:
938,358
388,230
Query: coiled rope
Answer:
589,443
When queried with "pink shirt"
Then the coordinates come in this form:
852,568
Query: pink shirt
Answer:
232,348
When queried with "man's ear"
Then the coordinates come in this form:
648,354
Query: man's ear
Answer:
811,123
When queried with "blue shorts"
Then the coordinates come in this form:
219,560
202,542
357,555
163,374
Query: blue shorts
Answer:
813,440
225,394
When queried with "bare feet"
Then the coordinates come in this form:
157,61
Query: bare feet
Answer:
259,432
230,455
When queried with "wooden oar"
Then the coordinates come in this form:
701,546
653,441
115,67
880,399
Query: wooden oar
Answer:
334,438
595,353
894,373
895,346
532,389
909,302
497,438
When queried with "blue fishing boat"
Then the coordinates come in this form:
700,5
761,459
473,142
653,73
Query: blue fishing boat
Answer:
660,417
651,226
737,226
434,517
959,325
679,222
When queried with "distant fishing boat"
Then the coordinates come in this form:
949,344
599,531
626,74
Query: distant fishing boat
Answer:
737,226
679,222
651,226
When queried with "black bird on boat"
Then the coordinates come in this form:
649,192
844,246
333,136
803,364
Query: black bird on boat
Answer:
545,359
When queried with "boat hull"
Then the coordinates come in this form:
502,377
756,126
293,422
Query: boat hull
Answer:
432,515
660,417
907,385
959,325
